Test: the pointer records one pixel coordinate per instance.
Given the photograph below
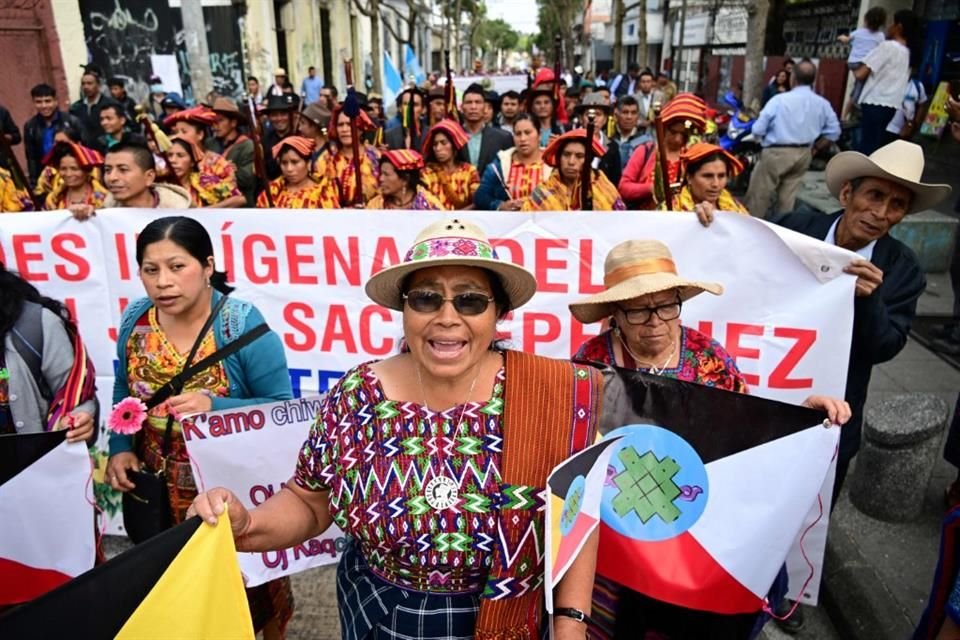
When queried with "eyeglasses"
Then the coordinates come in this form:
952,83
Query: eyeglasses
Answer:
642,316
466,304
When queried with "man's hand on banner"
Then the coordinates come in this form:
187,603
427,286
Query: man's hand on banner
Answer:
837,410
117,470
869,276
79,426
210,505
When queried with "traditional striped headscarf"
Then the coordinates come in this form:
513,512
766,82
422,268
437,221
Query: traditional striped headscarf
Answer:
86,157
403,159
453,130
686,108
196,151
303,146
552,152
199,115
701,150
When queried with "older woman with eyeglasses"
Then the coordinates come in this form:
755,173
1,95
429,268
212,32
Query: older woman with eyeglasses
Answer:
643,299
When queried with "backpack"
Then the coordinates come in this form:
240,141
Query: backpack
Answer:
27,336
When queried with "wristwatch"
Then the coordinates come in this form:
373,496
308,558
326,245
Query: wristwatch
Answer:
570,612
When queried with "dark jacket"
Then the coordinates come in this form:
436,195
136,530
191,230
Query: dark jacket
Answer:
241,154
89,116
881,321
8,127
33,138
610,163
394,139
129,107
269,140
492,142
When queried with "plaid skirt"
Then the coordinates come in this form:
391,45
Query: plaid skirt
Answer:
372,609
271,600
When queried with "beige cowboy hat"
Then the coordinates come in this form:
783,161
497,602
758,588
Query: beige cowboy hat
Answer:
900,162
636,268
228,107
451,242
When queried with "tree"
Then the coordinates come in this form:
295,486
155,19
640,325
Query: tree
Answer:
495,36
753,60
372,11
558,17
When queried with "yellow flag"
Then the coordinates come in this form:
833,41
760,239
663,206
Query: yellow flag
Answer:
200,595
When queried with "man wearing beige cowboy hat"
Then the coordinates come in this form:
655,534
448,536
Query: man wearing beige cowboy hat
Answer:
876,193
234,146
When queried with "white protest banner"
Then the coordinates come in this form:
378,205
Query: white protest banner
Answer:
785,316
253,451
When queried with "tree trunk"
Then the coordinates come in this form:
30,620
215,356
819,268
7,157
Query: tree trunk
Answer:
618,14
753,60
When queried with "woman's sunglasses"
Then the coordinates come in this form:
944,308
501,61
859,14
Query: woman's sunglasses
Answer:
466,304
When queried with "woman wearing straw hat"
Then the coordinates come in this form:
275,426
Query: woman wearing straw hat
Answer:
561,191
400,184
462,436
78,171
643,296
454,183
706,170
193,174
641,184
298,187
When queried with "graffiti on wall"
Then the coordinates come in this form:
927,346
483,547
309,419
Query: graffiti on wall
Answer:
121,35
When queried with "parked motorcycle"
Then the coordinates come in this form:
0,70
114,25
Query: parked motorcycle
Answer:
740,141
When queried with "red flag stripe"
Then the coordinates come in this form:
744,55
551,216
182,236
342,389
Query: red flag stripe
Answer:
568,543
679,571
21,583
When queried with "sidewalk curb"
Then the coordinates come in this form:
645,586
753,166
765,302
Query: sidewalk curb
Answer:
858,602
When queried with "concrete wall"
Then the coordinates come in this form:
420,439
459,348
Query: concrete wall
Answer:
66,14
260,42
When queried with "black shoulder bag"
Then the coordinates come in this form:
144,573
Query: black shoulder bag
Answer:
146,508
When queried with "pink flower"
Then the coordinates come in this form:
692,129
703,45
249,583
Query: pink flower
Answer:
127,416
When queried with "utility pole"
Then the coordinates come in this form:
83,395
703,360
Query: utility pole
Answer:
618,14
678,58
198,55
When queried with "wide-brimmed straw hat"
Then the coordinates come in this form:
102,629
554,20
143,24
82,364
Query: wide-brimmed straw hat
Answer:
637,268
900,162
451,242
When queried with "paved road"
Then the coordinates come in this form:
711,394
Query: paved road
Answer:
817,627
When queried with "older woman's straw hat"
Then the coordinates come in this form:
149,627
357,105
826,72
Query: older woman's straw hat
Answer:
451,242
636,268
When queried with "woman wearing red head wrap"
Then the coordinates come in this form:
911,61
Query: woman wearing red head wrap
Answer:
207,189
78,170
641,184
400,185
298,187
453,182
706,170
336,163
191,125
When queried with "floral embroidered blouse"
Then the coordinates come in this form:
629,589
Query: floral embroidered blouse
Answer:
152,360
12,199
702,359
214,181
339,170
524,178
96,195
320,195
455,189
377,457
423,201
